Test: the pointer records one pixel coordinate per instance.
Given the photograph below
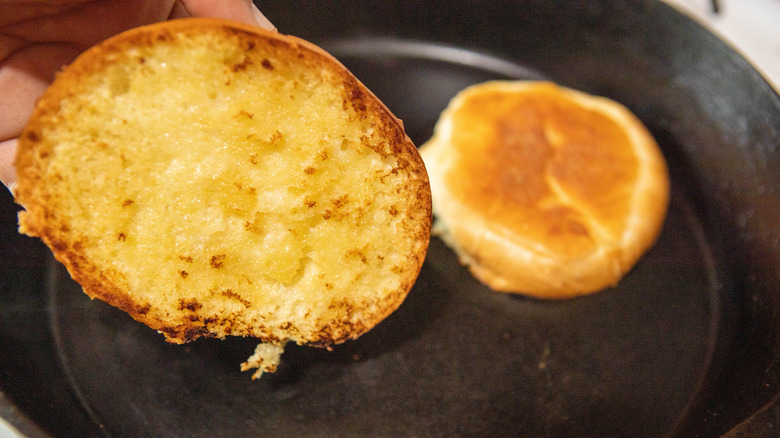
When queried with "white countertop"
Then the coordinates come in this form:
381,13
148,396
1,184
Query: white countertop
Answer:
7,431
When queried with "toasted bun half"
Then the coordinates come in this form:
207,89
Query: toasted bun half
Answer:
215,179
543,190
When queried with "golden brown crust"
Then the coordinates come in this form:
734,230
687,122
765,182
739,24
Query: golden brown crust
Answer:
48,201
543,190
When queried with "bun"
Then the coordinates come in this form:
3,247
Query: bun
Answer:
543,190
214,179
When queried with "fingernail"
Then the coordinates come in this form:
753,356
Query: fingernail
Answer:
10,186
261,20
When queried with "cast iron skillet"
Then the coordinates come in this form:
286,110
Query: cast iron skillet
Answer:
686,345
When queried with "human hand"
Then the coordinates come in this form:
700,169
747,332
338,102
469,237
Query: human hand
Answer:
39,37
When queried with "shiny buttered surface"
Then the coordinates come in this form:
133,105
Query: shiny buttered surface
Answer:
214,179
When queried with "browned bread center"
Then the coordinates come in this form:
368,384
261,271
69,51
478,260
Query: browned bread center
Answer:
545,168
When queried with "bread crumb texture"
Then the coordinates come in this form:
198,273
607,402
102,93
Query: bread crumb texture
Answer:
544,190
265,359
212,179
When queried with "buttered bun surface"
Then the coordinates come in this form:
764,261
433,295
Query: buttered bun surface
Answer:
215,179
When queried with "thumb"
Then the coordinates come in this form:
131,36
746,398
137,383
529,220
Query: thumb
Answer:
243,11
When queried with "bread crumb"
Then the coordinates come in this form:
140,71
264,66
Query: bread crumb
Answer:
266,358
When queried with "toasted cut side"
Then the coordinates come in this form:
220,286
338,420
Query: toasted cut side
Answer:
215,179
544,190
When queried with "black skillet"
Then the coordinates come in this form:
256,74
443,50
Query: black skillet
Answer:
686,345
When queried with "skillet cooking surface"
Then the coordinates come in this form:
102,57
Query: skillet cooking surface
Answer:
683,345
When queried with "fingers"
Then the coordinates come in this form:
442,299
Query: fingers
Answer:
243,11
23,78
7,171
